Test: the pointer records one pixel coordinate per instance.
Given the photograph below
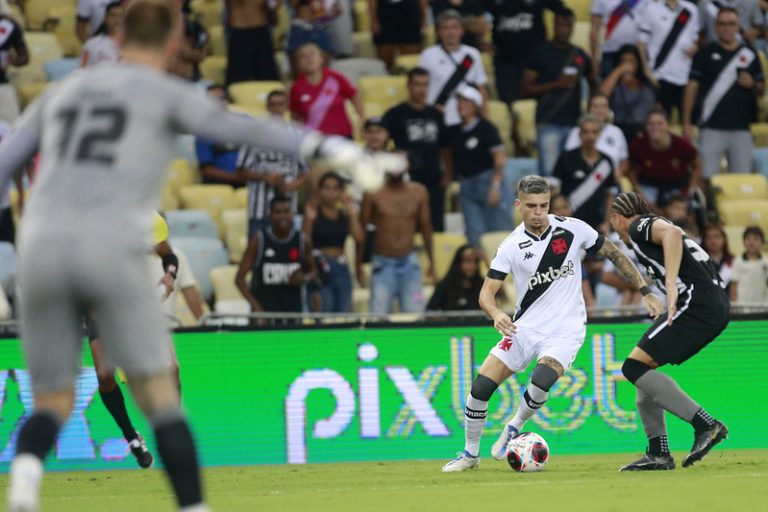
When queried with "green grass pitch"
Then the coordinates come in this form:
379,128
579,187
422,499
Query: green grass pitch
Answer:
724,481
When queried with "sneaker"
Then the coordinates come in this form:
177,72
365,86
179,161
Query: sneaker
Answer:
650,462
139,449
499,448
463,461
704,441
26,472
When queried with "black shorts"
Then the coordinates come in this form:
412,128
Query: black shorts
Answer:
250,55
700,321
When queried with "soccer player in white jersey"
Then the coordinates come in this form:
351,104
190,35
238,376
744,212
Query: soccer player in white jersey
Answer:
543,254
105,135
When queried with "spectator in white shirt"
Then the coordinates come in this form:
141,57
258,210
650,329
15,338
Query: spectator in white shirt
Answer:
102,47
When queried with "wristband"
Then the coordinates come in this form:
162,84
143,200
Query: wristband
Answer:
171,264
645,290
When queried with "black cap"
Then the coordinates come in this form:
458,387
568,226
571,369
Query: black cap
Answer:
375,121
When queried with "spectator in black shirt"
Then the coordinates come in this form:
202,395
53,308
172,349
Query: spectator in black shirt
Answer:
586,177
554,75
460,288
518,27
418,128
479,157
396,27
726,78
13,52
475,22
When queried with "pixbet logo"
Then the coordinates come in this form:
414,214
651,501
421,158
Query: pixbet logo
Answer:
551,275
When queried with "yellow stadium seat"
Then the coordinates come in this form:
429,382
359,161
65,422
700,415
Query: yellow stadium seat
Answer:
217,43
180,173
404,63
364,44
235,223
29,92
737,186
61,21
445,246
374,108
498,114
209,13
212,198
735,236
525,116
42,47
362,16
747,212
430,37
580,37
37,12
253,93
241,197
582,9
223,281
489,242
387,90
214,69
18,15
625,184
760,134
168,199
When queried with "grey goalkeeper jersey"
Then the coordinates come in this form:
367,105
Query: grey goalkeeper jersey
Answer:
105,136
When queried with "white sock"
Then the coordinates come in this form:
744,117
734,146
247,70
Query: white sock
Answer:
200,507
24,486
533,398
474,422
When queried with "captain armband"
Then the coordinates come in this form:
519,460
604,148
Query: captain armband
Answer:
495,274
171,264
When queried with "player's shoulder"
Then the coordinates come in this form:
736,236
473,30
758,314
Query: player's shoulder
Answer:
428,55
640,228
568,223
690,6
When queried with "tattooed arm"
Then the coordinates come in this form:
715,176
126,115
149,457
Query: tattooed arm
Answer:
628,271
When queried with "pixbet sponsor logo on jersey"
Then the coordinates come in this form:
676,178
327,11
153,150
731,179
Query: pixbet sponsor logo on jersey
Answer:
551,275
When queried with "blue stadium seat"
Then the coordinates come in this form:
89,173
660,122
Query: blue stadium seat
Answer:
203,255
60,68
191,223
8,262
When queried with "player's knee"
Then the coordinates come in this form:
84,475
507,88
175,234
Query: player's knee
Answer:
634,369
544,377
107,381
483,388
155,393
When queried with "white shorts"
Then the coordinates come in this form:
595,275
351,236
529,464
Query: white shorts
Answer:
527,345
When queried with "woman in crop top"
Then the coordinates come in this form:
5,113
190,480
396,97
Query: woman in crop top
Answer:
328,220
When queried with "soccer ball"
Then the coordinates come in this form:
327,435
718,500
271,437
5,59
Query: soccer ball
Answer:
527,452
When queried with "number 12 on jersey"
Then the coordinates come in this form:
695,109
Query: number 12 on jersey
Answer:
102,126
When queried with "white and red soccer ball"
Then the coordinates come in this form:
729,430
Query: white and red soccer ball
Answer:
527,452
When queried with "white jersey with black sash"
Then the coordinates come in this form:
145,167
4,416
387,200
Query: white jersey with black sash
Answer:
546,271
697,273
668,32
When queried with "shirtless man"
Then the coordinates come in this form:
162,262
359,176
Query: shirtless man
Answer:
250,54
397,210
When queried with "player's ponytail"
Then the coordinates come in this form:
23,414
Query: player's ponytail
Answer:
629,204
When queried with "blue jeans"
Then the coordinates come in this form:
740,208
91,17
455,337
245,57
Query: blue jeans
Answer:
336,292
396,278
479,218
550,139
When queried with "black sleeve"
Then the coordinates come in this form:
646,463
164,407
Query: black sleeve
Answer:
535,59
697,66
587,63
592,251
393,125
17,37
640,229
491,135
756,70
437,302
555,5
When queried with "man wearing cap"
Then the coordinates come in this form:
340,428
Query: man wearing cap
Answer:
478,156
418,129
398,210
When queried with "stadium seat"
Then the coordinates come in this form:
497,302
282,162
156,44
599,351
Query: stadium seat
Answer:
445,246
190,223
735,236
747,212
454,222
8,263
37,12
212,198
364,45
168,200
387,90
62,23
43,46
356,68
179,174
498,114
217,42
253,93
362,16
203,255
736,186
223,282
60,68
489,242
525,116
208,12
374,108
27,93
235,223
759,134
214,69
404,63
580,37
241,197
18,14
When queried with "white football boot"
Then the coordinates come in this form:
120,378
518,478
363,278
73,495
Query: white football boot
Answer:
24,486
499,448
463,461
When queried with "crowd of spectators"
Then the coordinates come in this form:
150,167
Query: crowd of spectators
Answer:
648,62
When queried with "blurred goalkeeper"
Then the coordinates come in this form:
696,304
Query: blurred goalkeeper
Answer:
105,135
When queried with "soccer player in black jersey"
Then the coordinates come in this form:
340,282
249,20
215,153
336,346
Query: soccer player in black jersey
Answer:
698,311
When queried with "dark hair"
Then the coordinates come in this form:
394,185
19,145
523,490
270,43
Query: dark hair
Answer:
728,9
276,92
454,289
102,30
148,23
329,176
279,198
447,15
565,12
634,50
754,230
532,184
629,204
727,256
657,111
417,71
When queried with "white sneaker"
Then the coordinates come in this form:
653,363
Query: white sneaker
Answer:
499,448
24,486
462,462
